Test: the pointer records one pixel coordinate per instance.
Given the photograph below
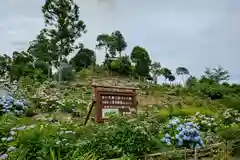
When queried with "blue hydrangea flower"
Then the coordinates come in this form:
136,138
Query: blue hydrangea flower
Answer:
4,156
167,135
186,134
10,139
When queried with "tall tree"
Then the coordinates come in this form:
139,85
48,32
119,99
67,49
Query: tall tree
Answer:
119,43
64,27
113,43
22,65
44,68
166,73
83,59
191,81
41,50
142,61
5,63
182,71
156,70
107,42
217,74
171,78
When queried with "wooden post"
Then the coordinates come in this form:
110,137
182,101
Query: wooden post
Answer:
82,96
226,150
185,154
196,157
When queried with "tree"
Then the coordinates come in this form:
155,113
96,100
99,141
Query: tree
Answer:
217,74
63,27
22,65
112,43
171,78
41,50
156,70
121,65
43,67
191,81
5,63
182,71
142,61
166,73
119,42
83,59
67,73
107,42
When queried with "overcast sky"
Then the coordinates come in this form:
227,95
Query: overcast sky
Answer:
191,33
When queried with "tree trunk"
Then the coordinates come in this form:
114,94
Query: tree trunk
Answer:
183,79
49,69
155,79
60,72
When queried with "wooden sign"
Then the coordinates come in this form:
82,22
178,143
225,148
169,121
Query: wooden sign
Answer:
113,100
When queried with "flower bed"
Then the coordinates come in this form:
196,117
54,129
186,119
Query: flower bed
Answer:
9,104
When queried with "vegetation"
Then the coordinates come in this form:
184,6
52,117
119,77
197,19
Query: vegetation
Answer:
43,118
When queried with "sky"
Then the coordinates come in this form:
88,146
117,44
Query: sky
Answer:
191,33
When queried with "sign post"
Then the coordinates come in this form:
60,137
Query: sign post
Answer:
114,100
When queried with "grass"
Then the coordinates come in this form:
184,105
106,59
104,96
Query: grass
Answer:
186,111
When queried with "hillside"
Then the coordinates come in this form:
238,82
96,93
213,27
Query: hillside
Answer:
53,108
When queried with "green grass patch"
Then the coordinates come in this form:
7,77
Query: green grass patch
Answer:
186,111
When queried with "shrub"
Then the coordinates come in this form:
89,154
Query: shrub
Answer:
10,104
30,112
190,110
231,132
182,134
231,116
206,123
35,141
119,137
231,102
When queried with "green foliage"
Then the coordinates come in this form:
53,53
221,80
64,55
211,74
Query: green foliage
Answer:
182,71
107,42
30,112
121,66
217,74
83,59
231,102
66,74
156,70
231,116
166,73
119,42
206,123
191,81
142,61
184,111
231,132
5,62
110,139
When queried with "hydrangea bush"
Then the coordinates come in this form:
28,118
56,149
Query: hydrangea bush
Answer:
70,104
8,142
9,104
231,116
49,100
37,139
182,134
205,123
